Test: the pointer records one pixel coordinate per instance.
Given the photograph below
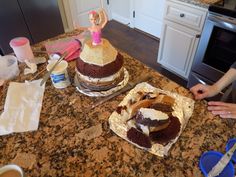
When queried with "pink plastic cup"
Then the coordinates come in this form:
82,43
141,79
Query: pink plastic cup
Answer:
22,49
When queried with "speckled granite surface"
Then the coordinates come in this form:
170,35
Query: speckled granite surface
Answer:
195,2
73,140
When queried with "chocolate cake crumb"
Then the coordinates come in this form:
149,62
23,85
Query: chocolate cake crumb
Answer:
120,108
131,102
147,97
139,138
140,93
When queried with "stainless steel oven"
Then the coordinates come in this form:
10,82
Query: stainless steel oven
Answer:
217,47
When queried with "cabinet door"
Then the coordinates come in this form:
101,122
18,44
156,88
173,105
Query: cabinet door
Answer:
177,49
12,24
148,16
43,18
80,10
119,10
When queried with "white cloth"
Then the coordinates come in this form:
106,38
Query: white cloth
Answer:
22,107
32,66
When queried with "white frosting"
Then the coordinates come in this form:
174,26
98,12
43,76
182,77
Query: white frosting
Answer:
144,128
104,79
153,114
100,54
60,68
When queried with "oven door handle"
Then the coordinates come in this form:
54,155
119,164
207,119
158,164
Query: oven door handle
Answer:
199,80
226,22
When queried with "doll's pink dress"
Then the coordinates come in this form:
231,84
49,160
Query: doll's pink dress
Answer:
96,37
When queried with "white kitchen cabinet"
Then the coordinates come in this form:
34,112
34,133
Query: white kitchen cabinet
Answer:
180,35
148,16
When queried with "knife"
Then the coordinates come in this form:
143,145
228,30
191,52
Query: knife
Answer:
129,86
219,167
47,75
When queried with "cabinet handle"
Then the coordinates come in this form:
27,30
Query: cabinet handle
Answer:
181,15
198,35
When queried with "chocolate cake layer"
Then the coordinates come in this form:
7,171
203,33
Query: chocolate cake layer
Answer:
162,107
120,108
103,86
96,71
166,135
139,138
147,121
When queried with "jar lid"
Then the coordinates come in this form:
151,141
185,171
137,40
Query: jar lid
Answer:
19,41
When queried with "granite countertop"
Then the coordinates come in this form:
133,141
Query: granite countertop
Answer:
73,140
196,3
202,3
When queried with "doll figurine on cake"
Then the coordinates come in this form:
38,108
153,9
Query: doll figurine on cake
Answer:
98,21
100,65
98,24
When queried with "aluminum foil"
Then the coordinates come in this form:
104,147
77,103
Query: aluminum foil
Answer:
102,93
183,109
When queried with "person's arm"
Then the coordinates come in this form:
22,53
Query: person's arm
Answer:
227,79
201,91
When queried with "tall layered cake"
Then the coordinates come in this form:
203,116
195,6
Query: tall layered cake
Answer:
99,67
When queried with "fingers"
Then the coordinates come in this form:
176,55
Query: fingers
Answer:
195,88
224,110
217,103
199,91
200,96
226,116
221,112
217,107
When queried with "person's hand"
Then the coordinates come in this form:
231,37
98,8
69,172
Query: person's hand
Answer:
201,91
224,110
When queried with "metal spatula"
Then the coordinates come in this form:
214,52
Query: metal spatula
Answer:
47,75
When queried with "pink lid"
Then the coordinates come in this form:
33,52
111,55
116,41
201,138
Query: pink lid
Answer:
19,41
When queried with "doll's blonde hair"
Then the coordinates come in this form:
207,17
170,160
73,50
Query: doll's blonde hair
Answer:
95,15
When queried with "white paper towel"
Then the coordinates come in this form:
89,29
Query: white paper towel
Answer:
22,107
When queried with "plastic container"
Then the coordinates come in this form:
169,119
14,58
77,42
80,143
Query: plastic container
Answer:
22,49
229,145
59,75
209,159
9,67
